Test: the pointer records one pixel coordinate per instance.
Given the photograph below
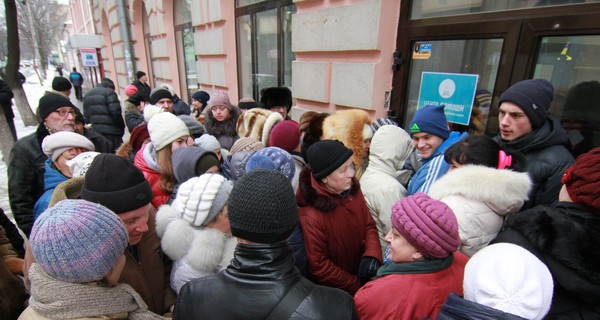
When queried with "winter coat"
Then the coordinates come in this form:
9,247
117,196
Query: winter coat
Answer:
338,232
12,233
101,108
101,143
390,148
433,167
234,166
142,87
407,292
253,284
52,178
226,131
481,198
547,152
6,96
133,116
12,289
145,160
566,239
180,107
457,308
76,79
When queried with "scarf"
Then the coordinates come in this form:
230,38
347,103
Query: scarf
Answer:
424,266
151,157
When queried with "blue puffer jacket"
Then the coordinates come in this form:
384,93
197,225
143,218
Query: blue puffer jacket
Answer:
52,178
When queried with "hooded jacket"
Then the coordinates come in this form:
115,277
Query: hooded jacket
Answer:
338,231
457,308
52,178
101,108
547,152
566,239
133,116
481,198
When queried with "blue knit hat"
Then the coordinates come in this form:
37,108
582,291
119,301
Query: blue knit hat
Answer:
201,96
533,97
272,158
430,119
78,241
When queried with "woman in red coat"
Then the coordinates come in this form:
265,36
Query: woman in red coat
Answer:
425,266
340,236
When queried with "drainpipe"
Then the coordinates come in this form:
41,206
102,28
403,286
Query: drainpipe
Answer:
127,49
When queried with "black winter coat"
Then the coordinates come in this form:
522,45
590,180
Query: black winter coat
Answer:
258,277
142,87
101,108
6,96
567,240
457,308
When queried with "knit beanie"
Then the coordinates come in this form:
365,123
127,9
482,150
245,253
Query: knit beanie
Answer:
262,207
430,119
61,84
276,96
428,225
219,98
130,90
582,180
285,135
201,96
246,144
116,183
247,104
79,116
200,199
272,158
533,97
139,74
194,126
150,111
55,144
81,163
165,128
207,142
325,156
160,93
137,98
507,277
50,102
78,241
138,136
382,122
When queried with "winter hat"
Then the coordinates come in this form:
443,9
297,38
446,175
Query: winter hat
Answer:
150,111
138,136
55,144
276,96
582,180
247,103
219,98
116,183
507,277
207,142
325,156
246,144
139,74
200,199
79,116
428,225
159,93
533,97
257,123
61,84
201,96
130,90
191,162
194,126
262,207
285,135
382,122
165,128
78,241
430,119
107,83
272,158
50,102
81,163
137,98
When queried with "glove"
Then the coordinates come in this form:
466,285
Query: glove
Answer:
367,268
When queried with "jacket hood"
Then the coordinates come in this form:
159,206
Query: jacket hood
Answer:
310,193
549,134
184,162
130,107
52,177
390,148
504,191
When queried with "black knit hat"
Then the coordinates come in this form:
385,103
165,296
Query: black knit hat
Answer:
262,207
50,102
533,97
115,183
325,156
61,84
159,93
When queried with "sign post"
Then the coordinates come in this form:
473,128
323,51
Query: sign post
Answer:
89,57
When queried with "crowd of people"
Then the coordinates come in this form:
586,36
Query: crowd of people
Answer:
223,211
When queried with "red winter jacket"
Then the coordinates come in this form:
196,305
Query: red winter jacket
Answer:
338,231
160,197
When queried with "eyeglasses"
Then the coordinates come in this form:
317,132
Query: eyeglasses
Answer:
64,113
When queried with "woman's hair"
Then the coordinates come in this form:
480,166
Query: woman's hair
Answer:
483,150
167,180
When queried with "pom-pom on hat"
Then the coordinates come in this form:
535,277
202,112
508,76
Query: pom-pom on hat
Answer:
165,128
582,180
50,102
78,241
533,97
428,225
285,135
150,111
81,163
262,207
325,156
160,93
55,144
219,98
509,278
130,90
200,199
61,84
430,119
272,158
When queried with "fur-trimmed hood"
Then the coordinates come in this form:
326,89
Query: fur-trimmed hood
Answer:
504,191
311,193
257,123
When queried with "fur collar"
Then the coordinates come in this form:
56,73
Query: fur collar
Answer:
308,195
225,128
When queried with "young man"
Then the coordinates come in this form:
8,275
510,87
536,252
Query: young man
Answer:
77,80
141,82
525,126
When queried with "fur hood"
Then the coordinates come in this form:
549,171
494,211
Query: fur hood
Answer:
504,191
257,123
225,128
307,195
130,107
347,126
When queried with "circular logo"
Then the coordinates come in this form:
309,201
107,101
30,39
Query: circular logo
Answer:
447,88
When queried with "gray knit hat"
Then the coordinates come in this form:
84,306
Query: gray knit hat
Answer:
262,207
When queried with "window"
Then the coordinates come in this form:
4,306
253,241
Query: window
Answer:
186,56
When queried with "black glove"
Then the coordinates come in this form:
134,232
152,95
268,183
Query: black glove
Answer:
367,268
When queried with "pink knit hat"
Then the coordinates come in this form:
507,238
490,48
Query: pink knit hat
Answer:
130,89
219,98
427,224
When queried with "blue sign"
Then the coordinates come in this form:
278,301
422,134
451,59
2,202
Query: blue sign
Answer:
456,91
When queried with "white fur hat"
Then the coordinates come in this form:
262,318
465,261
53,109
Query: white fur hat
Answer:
55,144
207,142
150,111
200,199
165,128
507,277
81,163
